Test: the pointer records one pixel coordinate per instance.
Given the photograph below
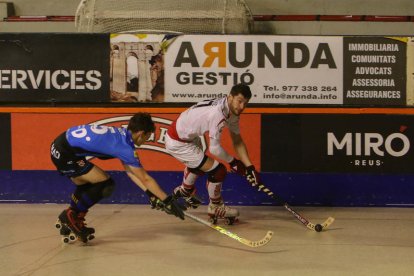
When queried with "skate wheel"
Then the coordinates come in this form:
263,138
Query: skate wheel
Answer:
64,231
229,221
213,220
58,225
72,237
91,237
65,239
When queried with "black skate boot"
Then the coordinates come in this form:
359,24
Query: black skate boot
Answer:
89,230
69,219
189,196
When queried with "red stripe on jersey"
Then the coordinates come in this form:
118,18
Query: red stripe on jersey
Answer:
172,132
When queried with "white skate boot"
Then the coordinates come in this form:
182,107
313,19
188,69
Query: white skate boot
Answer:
220,211
189,196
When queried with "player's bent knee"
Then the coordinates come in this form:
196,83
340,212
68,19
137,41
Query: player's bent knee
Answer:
217,174
196,171
102,189
108,187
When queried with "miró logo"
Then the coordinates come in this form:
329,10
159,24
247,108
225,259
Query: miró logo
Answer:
368,146
156,141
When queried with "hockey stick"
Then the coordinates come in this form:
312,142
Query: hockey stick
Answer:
304,221
244,241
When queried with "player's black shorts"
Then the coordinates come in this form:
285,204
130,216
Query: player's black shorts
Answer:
65,159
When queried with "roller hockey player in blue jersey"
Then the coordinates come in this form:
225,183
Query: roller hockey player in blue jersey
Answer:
68,153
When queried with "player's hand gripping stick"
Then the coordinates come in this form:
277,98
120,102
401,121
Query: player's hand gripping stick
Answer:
238,167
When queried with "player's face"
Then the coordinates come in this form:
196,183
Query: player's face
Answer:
141,137
237,104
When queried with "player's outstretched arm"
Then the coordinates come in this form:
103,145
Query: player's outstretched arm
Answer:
157,197
252,176
238,167
217,150
240,148
143,180
169,205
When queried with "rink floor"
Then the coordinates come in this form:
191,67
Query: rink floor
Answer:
135,240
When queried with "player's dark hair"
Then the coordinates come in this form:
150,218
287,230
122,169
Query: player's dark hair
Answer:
241,89
141,121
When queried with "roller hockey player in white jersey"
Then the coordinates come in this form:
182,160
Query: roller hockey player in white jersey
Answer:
92,184
183,142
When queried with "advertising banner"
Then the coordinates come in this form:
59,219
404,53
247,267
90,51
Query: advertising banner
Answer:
54,67
371,143
327,70
31,146
5,141
410,71
165,68
375,71
279,69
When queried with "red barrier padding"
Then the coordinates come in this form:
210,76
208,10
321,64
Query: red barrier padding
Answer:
295,17
341,18
68,18
263,17
386,18
40,18
26,18
268,17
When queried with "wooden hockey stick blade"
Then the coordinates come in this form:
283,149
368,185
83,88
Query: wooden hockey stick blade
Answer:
328,222
324,225
234,236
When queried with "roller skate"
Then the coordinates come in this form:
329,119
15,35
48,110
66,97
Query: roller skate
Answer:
67,235
71,226
189,196
220,211
89,230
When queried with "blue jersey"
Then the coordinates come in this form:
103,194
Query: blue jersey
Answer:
103,142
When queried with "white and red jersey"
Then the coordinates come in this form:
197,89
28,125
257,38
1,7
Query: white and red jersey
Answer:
183,137
206,116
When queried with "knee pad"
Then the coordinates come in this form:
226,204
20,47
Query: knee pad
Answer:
190,177
108,187
103,189
217,174
196,171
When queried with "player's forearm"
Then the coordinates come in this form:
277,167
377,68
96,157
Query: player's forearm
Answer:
154,188
148,183
241,151
218,151
240,148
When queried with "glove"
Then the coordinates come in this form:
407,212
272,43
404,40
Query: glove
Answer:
172,207
238,167
253,176
155,202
